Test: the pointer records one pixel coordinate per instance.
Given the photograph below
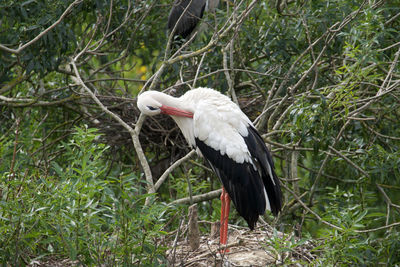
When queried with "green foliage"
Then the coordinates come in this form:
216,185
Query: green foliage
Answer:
328,71
289,250
81,210
352,246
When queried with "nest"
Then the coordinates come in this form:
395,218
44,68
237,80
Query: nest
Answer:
244,248
263,246
159,134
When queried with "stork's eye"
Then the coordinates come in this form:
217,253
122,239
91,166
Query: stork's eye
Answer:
151,108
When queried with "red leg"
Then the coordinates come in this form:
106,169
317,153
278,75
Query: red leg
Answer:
222,225
226,219
225,206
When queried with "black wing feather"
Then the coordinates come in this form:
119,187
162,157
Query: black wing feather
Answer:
189,20
245,184
260,152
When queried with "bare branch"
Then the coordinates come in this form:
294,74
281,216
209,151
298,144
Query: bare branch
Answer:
40,35
378,228
79,81
134,133
349,161
310,210
164,176
198,198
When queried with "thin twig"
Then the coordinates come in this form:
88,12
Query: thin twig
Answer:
349,161
176,238
310,210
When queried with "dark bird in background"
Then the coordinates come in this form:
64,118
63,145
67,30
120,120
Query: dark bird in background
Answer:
186,14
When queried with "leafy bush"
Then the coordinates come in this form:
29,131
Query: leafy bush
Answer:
82,210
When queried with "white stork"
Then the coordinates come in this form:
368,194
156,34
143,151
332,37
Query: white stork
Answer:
227,139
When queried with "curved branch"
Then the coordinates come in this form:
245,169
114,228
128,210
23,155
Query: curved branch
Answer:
378,228
310,210
164,176
133,132
40,35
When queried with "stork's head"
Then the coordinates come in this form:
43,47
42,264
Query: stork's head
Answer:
152,103
148,104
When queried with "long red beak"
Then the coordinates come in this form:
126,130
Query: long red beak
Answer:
175,111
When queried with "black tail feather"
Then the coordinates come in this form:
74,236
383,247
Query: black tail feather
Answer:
245,184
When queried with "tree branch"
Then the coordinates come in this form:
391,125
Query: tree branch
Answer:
198,198
40,35
164,176
133,132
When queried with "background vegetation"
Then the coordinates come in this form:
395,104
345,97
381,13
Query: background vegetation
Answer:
320,79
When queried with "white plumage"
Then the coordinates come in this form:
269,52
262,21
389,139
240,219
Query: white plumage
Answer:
227,139
217,121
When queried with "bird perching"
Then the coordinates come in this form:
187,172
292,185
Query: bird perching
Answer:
186,14
221,133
